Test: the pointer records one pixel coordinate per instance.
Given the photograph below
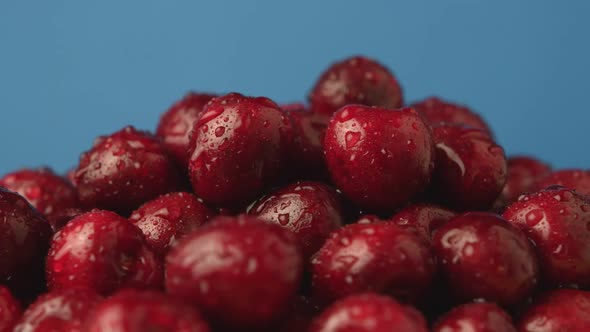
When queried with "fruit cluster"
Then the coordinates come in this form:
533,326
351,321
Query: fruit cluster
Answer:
356,212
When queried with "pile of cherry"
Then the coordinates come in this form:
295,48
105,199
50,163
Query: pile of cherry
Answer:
354,213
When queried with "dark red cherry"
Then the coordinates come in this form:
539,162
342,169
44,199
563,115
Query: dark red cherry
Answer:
523,175
576,179
425,218
10,310
475,317
379,158
437,111
558,311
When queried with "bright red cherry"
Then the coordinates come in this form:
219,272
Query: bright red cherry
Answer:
437,111
62,310
10,310
177,123
49,193
123,170
379,257
237,149
576,179
169,217
311,210
523,174
240,271
142,311
425,218
379,158
562,310
557,220
470,168
101,251
483,256
356,80
369,313
475,317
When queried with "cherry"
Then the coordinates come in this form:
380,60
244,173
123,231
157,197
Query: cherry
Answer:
470,168
356,80
139,311
24,241
570,178
123,170
237,149
437,111
49,193
369,312
177,123
241,271
557,220
101,251
379,158
483,256
425,218
379,257
169,217
10,310
311,210
62,310
558,311
523,174
475,317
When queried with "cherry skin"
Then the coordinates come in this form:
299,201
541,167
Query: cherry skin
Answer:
369,312
49,193
557,220
356,80
570,178
139,311
240,271
437,111
558,311
379,158
123,170
470,168
523,174
101,251
425,218
62,310
10,310
483,256
379,257
24,241
167,218
177,123
311,210
237,149
475,317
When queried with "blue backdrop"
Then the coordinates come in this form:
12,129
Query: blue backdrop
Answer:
71,70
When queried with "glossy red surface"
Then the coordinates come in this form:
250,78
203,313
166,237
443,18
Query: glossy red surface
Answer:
437,111
558,311
523,175
475,317
577,179
425,218
10,310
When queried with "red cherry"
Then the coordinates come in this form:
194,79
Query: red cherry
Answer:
483,256
311,210
475,317
558,311
177,123
237,149
557,220
379,257
49,193
10,310
123,170
470,168
167,218
523,174
356,80
576,179
241,271
369,313
62,310
425,218
140,311
437,111
101,251
379,158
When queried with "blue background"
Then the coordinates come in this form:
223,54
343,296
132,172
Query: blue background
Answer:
71,70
